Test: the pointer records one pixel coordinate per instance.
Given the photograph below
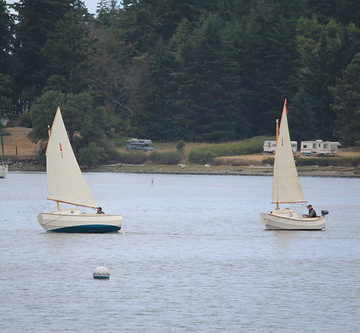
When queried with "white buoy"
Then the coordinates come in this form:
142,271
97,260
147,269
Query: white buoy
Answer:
101,272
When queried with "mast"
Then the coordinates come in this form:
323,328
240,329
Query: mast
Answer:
276,141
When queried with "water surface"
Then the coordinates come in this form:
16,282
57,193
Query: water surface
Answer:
193,257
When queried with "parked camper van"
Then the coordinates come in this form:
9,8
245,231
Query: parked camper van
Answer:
270,146
319,147
139,144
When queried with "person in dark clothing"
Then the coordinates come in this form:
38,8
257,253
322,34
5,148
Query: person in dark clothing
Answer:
312,212
99,211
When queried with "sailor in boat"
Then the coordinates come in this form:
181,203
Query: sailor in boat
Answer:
311,213
99,211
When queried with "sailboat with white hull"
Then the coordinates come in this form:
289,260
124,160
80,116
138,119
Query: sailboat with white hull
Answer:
287,188
66,184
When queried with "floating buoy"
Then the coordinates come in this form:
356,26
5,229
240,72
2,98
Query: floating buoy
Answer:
101,272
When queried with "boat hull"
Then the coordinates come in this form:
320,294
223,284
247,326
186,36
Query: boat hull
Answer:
286,219
73,221
3,170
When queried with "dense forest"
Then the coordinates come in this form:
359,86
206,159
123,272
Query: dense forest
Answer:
193,70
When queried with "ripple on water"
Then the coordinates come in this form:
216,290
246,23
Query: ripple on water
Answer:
193,257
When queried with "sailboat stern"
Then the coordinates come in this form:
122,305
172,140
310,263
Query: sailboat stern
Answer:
287,219
73,221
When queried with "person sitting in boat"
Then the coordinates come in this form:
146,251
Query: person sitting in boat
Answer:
312,212
99,211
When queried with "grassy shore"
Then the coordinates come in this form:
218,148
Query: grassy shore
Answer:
196,169
243,157
226,170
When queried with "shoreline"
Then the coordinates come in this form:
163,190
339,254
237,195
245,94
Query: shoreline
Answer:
309,171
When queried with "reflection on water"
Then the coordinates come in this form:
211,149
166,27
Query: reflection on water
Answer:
193,257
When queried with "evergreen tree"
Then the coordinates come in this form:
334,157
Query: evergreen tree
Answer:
210,83
157,115
324,51
342,11
117,67
346,105
267,55
36,20
6,43
68,51
82,125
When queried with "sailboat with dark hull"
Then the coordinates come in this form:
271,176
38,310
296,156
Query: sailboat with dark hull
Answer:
67,185
287,188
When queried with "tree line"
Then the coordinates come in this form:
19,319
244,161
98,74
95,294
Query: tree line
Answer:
192,70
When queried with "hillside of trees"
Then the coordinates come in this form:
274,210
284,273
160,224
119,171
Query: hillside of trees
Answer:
192,70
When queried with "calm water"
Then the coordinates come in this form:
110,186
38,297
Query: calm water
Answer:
193,257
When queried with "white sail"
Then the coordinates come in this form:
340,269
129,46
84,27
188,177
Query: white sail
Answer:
65,180
286,185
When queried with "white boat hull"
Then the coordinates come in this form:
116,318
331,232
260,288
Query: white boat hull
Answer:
286,219
74,221
3,170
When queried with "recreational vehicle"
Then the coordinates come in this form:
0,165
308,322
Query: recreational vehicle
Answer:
270,146
139,144
319,147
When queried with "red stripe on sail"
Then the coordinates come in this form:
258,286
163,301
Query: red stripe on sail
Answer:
286,106
61,150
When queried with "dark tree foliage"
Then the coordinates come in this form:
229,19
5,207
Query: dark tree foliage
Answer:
267,53
68,50
324,52
343,11
346,106
6,44
37,21
191,70
6,38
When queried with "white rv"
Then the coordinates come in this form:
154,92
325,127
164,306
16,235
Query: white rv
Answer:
270,146
319,147
139,144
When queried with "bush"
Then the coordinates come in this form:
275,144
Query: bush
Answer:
181,145
132,158
110,154
26,120
201,157
206,153
232,162
268,160
120,141
170,157
90,155
329,161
